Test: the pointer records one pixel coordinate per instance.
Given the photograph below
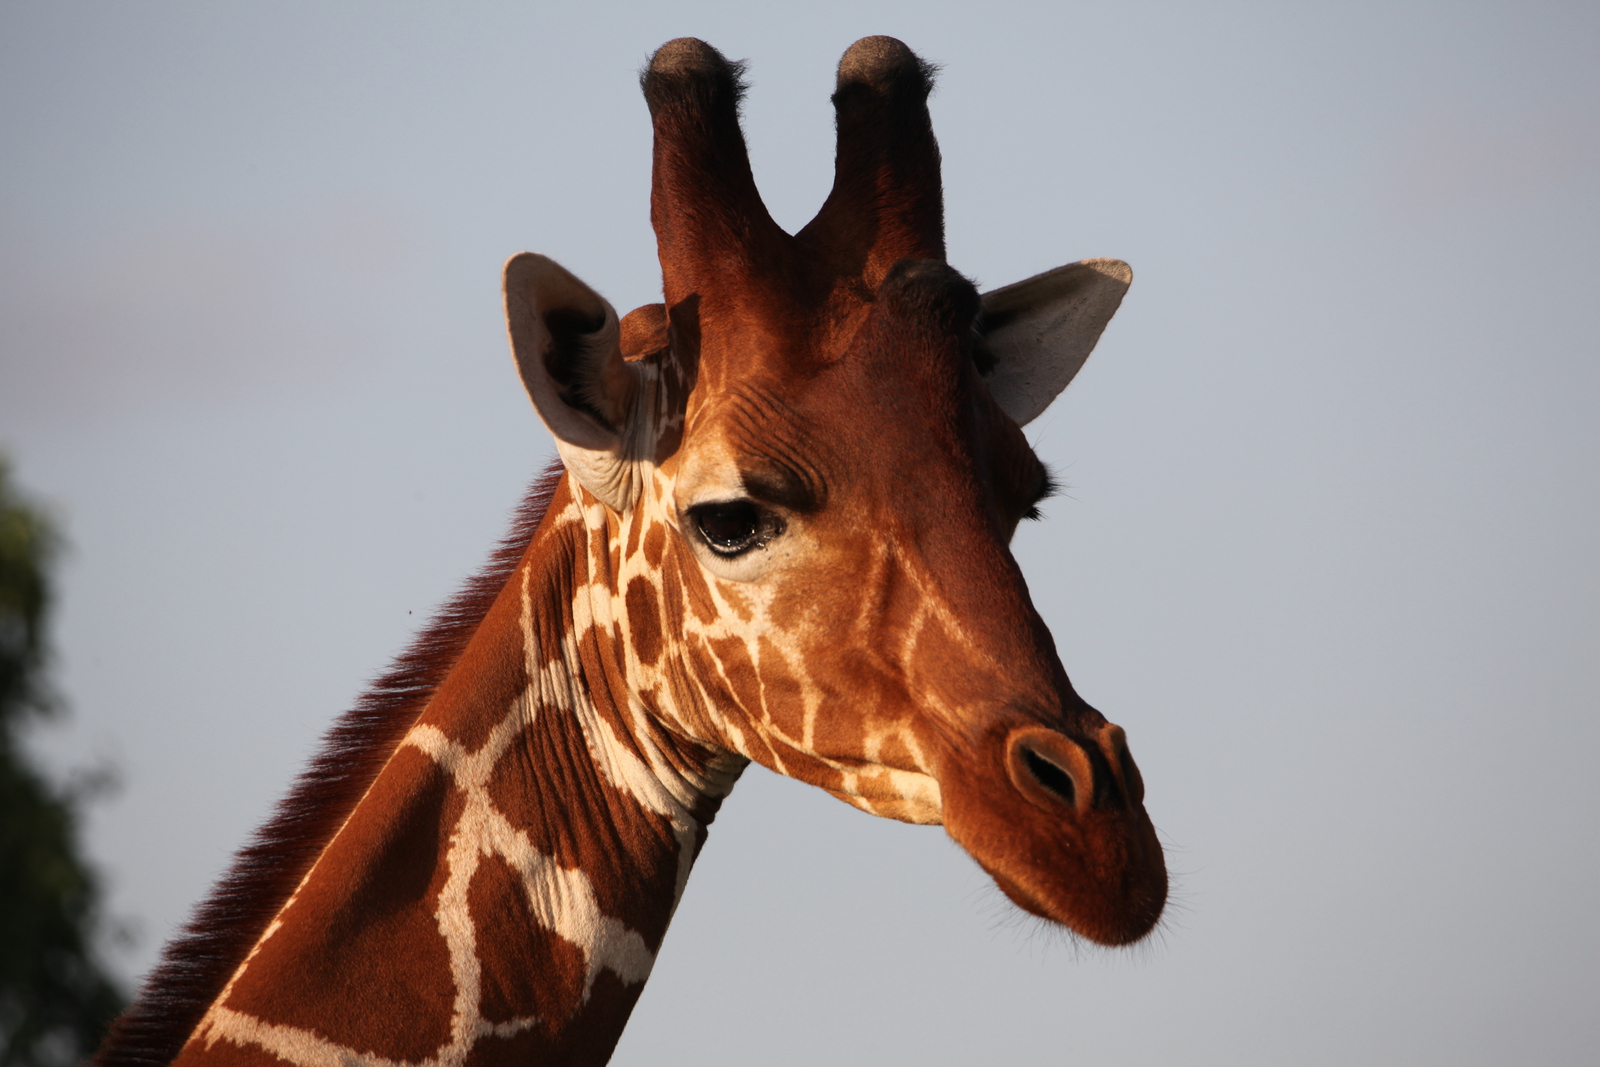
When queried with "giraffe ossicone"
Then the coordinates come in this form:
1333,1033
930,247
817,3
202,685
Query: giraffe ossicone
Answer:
779,533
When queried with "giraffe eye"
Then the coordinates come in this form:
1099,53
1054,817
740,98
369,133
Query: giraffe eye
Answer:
732,528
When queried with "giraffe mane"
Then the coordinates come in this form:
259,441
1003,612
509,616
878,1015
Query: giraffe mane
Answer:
197,964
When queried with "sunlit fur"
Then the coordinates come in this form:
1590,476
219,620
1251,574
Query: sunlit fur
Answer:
483,864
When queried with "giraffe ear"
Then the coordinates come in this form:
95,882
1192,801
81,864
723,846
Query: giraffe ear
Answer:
1038,332
567,344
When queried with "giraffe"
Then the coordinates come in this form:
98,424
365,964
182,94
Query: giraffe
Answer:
777,532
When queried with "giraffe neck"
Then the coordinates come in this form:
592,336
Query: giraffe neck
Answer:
502,889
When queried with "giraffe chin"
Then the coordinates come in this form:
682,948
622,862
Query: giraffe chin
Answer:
1088,859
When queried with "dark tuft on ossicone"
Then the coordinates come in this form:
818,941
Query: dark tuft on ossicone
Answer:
686,70
885,64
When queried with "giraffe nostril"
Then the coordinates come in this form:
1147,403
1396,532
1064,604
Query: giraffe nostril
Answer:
1114,745
1050,769
1053,778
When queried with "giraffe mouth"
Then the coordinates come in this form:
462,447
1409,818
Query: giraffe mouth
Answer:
1060,825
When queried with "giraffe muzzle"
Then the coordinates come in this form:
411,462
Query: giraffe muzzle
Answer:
1058,820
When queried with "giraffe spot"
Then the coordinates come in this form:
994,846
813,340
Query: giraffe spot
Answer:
733,655
740,604
783,697
360,946
600,652
698,594
527,970
488,678
571,813
655,543
594,1033
672,606
535,1045
706,672
562,567
587,1038
633,538
224,1051
894,749
807,768
644,620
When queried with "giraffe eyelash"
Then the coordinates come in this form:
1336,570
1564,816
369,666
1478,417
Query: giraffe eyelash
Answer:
1048,489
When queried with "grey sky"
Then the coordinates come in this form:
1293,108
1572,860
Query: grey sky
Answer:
1328,551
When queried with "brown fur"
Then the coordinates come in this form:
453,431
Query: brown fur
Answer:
819,356
380,881
362,959
800,444
195,966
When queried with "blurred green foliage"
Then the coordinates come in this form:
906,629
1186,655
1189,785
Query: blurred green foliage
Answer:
55,998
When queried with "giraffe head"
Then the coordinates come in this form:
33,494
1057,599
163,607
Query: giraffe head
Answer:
803,470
